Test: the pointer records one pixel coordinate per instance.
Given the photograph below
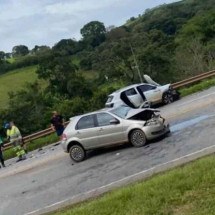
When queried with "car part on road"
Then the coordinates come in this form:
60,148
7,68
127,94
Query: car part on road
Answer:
137,138
77,153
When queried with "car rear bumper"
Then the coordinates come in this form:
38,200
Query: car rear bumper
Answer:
64,146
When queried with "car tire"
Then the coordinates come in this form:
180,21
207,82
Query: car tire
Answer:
137,138
167,98
77,153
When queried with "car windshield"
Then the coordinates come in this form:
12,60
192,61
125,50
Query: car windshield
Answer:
121,111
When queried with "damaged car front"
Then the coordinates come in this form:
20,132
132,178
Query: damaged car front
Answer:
149,120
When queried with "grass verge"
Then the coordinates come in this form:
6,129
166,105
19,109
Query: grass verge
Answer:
203,85
33,145
185,190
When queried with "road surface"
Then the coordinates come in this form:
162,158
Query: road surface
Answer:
49,176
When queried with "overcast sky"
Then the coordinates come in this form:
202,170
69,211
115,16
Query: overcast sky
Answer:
45,22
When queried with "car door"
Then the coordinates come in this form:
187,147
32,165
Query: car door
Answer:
134,97
86,131
110,130
151,92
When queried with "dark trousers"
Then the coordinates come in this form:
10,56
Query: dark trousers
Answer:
1,157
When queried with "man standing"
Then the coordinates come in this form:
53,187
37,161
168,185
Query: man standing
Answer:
14,136
57,123
1,155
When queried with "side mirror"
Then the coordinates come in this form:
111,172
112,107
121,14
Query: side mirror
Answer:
114,122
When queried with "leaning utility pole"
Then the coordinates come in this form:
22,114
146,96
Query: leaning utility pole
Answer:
136,65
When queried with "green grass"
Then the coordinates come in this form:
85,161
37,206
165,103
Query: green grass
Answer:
203,85
14,80
11,60
183,191
35,144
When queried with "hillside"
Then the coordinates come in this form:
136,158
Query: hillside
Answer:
14,81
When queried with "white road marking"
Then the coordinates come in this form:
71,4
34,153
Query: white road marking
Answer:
121,180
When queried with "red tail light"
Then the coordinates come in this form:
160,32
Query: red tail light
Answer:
64,137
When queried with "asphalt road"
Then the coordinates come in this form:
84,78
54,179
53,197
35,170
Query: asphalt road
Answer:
49,176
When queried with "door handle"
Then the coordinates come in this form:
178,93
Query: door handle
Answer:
77,132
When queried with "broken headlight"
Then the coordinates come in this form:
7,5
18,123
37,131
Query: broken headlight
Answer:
153,121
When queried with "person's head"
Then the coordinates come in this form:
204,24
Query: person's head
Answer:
54,113
11,123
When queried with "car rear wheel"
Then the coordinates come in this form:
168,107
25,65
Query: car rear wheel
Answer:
167,98
77,153
137,138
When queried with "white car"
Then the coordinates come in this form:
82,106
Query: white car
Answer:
142,95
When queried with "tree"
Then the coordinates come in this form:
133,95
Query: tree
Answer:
57,70
191,58
62,77
94,28
93,33
117,33
201,26
27,108
66,47
40,49
20,50
2,55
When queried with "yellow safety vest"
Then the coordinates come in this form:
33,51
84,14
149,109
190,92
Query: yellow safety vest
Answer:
13,133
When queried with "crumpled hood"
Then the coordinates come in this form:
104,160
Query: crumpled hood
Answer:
134,112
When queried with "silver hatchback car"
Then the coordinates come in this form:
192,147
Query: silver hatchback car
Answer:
111,127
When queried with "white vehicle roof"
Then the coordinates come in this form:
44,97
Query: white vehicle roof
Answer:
126,88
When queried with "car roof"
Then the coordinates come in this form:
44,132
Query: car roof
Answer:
90,113
127,88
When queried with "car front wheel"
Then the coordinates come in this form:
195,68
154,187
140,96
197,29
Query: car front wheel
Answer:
137,138
167,98
77,153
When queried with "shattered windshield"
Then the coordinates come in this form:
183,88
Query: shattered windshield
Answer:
121,111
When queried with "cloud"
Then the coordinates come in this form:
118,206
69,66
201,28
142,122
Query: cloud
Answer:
13,9
77,7
45,22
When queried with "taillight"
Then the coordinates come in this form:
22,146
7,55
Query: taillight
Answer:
64,137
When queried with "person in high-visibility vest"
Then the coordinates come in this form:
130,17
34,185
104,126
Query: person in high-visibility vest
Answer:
15,137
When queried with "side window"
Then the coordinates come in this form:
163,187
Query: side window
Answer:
85,122
104,119
130,92
146,87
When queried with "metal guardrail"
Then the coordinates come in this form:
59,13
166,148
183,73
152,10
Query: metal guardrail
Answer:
176,85
194,79
34,136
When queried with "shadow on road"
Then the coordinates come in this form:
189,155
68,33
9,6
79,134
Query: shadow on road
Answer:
116,149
